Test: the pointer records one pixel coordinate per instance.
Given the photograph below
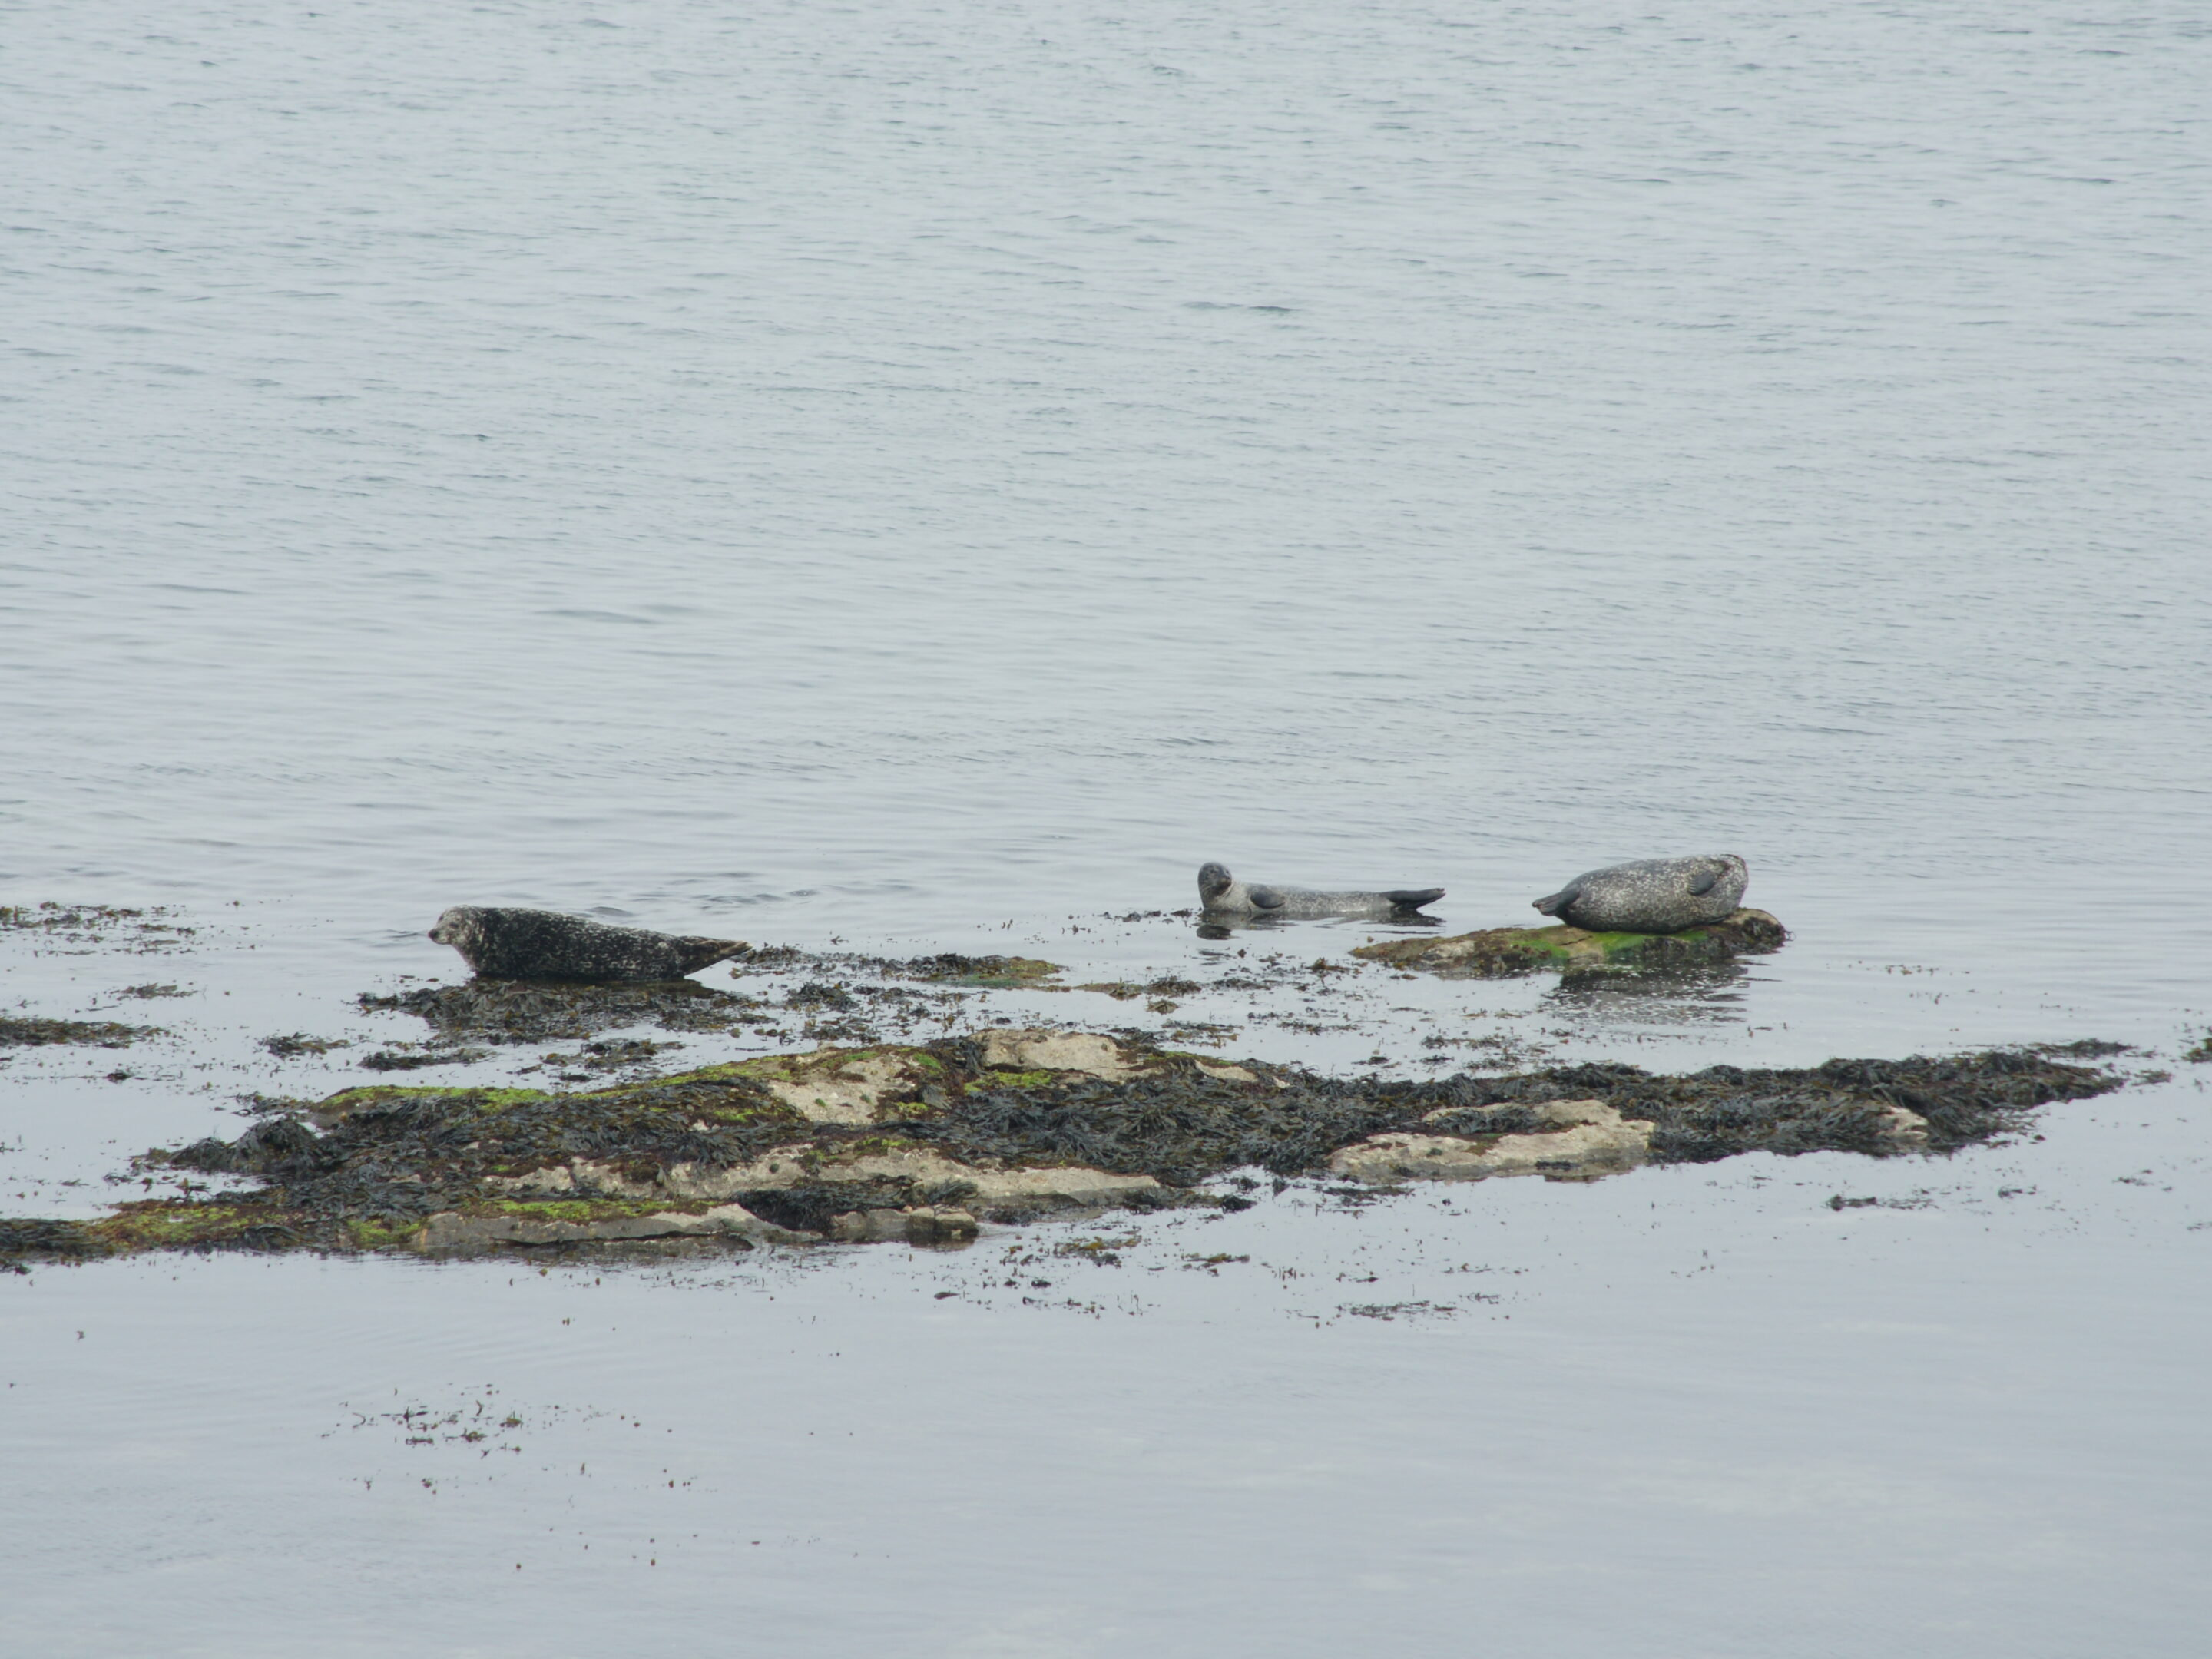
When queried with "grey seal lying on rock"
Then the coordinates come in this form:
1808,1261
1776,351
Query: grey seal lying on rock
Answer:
1222,893
1651,895
503,944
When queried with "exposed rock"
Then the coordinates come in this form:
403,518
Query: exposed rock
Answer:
1582,1138
1068,1187
834,1086
455,1232
1059,1051
1502,952
1906,1125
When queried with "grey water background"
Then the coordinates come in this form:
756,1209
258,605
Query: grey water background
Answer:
924,477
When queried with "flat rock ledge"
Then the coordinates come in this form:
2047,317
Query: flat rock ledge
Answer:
1577,1140
1504,952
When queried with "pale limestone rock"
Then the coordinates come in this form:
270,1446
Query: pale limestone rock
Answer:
454,1232
1906,1126
835,1086
1057,1051
793,1166
580,1177
1594,1139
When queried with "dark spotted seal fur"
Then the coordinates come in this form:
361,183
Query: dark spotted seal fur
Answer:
503,944
1222,893
1651,895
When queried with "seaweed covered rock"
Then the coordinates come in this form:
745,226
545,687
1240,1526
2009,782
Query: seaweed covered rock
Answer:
922,1143
1503,952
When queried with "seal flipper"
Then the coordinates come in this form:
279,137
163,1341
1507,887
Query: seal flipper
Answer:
1266,898
1412,898
705,952
1553,904
1704,884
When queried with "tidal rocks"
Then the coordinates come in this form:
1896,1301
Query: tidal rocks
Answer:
919,1142
502,943
1651,895
1503,952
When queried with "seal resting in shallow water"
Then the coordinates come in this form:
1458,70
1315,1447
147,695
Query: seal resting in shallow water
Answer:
1651,895
1222,893
499,943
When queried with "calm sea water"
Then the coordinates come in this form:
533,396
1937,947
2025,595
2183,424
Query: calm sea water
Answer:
909,475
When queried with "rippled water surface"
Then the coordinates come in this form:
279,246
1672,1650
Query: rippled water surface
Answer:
917,476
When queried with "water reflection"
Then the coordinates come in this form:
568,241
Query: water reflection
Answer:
1709,994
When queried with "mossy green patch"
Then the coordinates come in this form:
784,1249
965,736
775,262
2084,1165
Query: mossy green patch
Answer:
385,1094
367,1235
175,1224
1499,952
583,1209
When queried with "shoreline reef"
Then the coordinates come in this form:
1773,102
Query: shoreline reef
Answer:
924,1143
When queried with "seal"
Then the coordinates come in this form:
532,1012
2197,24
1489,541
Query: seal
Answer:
1651,895
1222,893
499,943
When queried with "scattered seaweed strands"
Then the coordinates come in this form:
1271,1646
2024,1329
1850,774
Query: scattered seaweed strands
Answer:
141,931
31,1033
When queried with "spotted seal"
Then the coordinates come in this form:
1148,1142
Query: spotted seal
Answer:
1222,893
1651,895
499,943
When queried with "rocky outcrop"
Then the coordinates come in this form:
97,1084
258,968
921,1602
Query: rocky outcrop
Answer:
1579,1140
1503,952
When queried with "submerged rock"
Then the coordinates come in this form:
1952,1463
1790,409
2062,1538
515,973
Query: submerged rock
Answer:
1503,952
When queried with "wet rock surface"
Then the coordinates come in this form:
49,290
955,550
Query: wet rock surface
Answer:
1503,952
923,1143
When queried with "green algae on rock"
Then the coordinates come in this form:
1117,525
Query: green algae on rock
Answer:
1503,952
921,1143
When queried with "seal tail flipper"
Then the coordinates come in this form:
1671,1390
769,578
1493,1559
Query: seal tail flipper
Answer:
1553,904
1266,898
705,952
1412,898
